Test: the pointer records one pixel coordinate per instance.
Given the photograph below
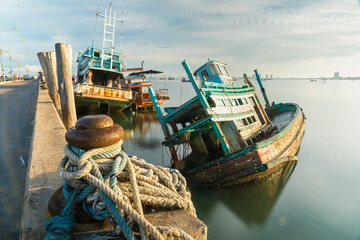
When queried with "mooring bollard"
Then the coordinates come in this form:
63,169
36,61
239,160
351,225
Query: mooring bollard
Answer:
105,188
94,131
90,132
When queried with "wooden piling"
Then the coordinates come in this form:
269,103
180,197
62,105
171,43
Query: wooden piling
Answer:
48,64
63,65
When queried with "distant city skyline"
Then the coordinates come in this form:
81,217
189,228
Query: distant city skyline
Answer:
281,37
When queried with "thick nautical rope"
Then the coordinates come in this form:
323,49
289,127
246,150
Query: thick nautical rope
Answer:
139,181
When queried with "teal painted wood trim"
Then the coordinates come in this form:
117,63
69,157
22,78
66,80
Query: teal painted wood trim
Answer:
233,115
159,112
226,92
262,89
211,85
182,108
195,85
225,146
192,127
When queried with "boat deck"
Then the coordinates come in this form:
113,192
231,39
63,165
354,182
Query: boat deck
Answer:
282,120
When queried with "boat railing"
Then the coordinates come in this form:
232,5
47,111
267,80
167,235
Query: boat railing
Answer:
162,93
102,91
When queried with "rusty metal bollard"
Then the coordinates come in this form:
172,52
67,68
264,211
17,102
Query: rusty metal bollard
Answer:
93,131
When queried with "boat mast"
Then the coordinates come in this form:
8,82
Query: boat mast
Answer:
263,91
122,27
247,81
109,32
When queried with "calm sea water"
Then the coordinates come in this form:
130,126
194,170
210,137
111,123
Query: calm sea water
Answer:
317,198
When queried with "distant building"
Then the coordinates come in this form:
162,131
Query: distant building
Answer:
336,74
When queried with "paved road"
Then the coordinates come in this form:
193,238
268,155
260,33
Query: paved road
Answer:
17,113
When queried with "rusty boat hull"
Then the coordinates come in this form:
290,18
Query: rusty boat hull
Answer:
259,160
224,135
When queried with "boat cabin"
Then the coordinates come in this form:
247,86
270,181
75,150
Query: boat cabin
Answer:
100,67
214,71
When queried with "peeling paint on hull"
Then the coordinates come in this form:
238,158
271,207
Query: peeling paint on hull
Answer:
265,157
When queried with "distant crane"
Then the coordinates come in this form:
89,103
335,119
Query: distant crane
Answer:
2,67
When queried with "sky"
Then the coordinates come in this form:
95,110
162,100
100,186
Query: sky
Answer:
285,38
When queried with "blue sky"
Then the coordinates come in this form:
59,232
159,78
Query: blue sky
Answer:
279,37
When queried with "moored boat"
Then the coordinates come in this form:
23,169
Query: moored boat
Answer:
104,78
139,85
224,136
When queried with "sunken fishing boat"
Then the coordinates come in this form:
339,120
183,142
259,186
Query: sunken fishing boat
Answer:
103,77
224,136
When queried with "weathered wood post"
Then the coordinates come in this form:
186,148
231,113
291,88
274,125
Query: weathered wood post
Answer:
63,64
48,64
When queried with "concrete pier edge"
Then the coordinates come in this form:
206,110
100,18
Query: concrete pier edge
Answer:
42,177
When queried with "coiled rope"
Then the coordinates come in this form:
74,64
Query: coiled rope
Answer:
113,186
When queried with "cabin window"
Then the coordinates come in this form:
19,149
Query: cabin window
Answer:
249,120
228,102
245,122
253,118
223,70
116,58
234,102
249,142
220,102
240,101
245,101
214,69
211,102
96,54
205,75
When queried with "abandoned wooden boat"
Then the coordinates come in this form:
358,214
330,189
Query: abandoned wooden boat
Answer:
224,136
104,78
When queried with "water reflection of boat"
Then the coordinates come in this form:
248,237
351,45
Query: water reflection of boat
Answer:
252,202
136,126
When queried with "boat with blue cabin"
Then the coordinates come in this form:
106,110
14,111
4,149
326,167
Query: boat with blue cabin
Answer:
224,136
104,78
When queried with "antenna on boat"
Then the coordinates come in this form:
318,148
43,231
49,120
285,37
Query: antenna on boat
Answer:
122,27
92,44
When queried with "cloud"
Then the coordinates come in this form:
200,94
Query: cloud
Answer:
31,69
275,35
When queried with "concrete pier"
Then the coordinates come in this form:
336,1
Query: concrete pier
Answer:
42,175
